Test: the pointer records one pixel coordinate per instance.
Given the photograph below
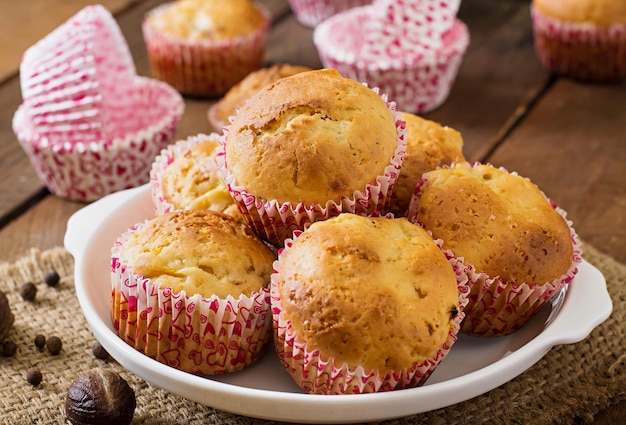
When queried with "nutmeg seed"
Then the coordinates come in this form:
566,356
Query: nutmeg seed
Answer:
100,397
6,316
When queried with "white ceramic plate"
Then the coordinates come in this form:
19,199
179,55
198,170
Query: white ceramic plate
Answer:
473,366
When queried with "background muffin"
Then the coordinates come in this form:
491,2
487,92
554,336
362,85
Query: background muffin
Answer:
363,304
582,39
428,146
234,99
185,176
308,147
204,47
518,247
190,290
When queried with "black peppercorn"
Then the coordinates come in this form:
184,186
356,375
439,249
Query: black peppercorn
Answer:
40,342
99,351
28,291
8,348
52,278
33,376
54,344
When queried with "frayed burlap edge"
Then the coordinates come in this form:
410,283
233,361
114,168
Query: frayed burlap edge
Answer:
571,384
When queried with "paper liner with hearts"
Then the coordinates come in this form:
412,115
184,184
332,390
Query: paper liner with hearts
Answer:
85,171
216,197
312,12
497,307
409,51
192,333
206,67
316,373
79,79
583,51
274,222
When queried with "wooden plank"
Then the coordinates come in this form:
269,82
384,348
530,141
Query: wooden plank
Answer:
23,23
573,146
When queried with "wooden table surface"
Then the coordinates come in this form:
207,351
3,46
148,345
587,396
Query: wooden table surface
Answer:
567,137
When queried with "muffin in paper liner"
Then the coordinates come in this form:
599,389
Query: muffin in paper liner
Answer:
316,373
580,50
80,79
312,12
274,222
88,170
203,67
195,334
419,80
202,184
497,307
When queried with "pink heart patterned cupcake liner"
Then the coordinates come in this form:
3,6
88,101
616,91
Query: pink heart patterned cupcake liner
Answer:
81,75
317,374
312,12
274,222
85,171
497,307
191,333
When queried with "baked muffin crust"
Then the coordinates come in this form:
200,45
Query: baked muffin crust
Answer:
201,252
373,292
603,13
311,137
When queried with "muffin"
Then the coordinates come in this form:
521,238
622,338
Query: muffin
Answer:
190,290
410,50
312,12
204,47
84,170
518,248
185,176
363,304
581,39
309,147
221,111
428,146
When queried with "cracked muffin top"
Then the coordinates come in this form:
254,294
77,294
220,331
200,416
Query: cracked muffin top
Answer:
311,137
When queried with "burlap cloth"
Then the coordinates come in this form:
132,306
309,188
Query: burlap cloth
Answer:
569,385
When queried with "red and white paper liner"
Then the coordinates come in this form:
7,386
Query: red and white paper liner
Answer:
80,78
195,334
274,222
581,51
203,68
497,307
417,82
312,12
161,204
316,373
86,171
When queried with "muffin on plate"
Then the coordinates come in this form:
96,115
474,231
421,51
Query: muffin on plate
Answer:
581,39
204,47
185,176
190,289
222,110
363,304
517,246
309,147
411,50
428,146
312,12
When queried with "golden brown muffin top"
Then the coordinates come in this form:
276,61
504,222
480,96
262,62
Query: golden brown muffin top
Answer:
192,181
373,292
500,223
252,83
428,145
599,12
201,252
209,19
311,137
